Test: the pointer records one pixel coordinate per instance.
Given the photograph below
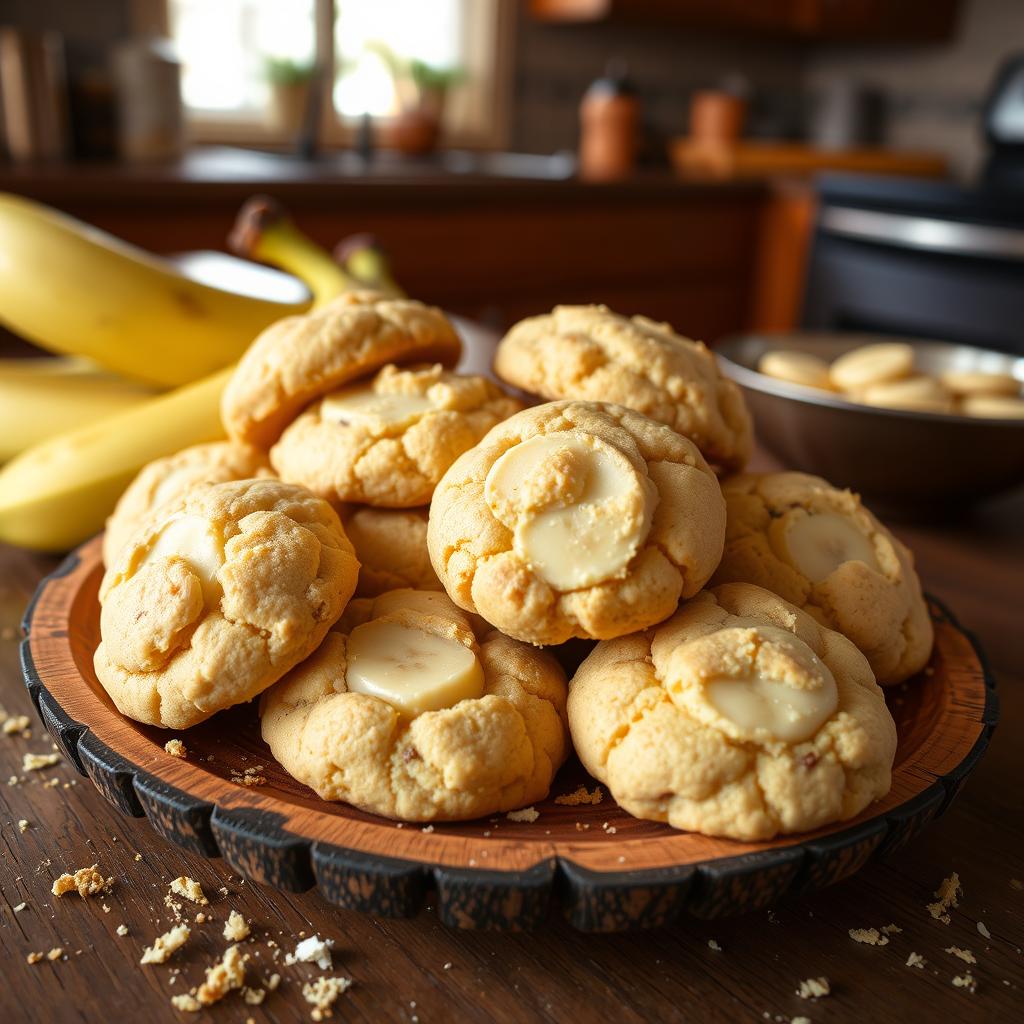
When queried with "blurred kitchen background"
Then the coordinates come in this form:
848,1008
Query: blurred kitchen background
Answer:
694,160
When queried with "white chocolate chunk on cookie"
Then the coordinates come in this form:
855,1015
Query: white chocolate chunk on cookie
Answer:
578,508
872,364
197,542
796,368
817,544
379,413
413,670
786,692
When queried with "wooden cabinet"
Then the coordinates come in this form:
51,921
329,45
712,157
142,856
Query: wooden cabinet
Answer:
890,21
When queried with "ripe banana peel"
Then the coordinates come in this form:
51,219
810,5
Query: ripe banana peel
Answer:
73,289
60,492
40,398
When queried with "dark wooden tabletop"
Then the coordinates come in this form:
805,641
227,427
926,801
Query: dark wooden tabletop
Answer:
417,970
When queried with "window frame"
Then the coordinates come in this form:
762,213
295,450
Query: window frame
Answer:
483,119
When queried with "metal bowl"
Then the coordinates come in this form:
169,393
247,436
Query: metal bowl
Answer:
920,462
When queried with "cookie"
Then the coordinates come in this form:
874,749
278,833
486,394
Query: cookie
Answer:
872,364
796,368
740,717
301,358
917,394
576,519
973,382
216,596
391,545
591,353
999,407
165,479
818,547
410,715
388,440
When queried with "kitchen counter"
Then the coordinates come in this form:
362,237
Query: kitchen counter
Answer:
418,970
492,236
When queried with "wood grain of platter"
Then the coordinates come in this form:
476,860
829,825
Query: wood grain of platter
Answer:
606,870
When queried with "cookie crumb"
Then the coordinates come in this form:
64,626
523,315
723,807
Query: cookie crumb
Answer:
23,825
17,724
227,974
122,930
236,928
581,795
200,918
250,777
322,993
85,881
253,996
186,1003
964,954
814,988
916,960
164,945
714,945
947,895
36,762
891,929
312,950
967,981
33,958
983,930
427,828
273,981
869,936
447,965
527,814
20,907
56,953
190,889
176,749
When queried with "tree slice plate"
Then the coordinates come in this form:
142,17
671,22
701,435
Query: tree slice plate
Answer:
607,870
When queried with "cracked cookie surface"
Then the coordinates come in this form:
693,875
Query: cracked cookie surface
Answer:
165,479
740,716
494,750
300,358
591,353
819,548
216,596
388,440
391,545
576,519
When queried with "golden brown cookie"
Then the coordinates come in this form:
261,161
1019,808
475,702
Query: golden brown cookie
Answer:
739,717
412,716
165,479
391,545
387,440
591,353
818,547
301,358
218,594
576,519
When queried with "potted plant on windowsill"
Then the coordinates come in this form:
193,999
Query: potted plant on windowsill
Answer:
290,83
422,91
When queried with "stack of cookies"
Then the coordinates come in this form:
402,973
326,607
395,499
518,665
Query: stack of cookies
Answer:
390,555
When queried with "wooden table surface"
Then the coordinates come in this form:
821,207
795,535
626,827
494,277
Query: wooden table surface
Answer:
417,970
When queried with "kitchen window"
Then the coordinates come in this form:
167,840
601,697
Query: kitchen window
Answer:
230,49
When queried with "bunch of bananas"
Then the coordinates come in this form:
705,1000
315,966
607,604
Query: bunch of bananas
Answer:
128,326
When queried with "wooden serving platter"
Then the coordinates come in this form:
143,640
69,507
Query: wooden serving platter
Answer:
607,870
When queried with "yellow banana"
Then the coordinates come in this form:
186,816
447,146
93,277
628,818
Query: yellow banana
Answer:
263,231
73,289
60,492
40,398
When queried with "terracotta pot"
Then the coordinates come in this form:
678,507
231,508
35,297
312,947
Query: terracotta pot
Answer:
287,110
